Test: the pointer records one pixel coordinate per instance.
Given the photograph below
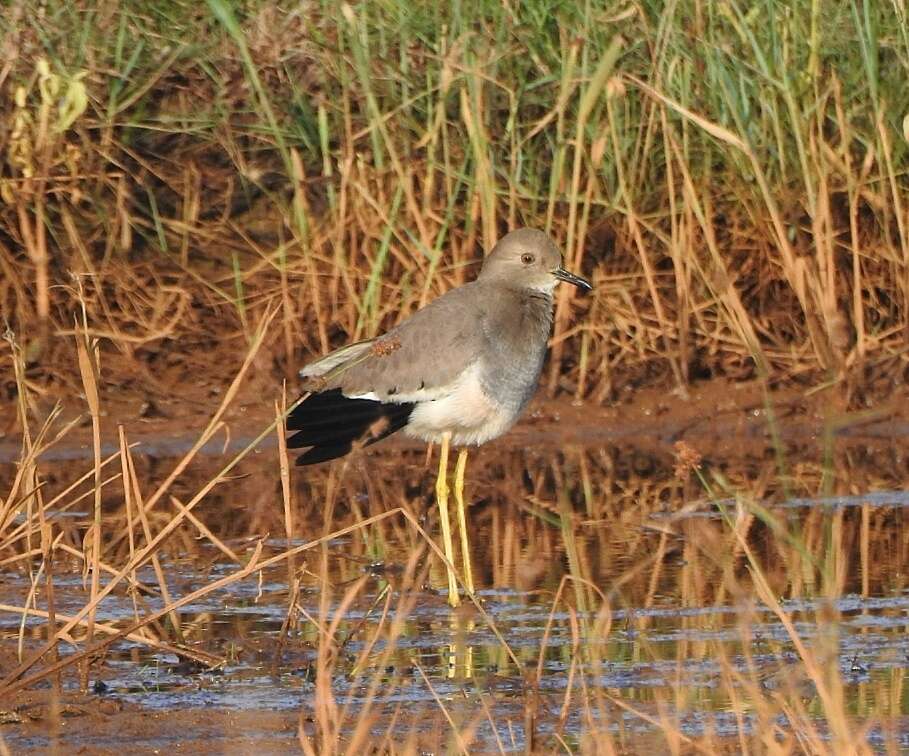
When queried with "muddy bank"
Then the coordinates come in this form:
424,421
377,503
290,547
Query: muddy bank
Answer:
715,414
99,724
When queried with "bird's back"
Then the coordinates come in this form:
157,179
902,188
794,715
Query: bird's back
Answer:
420,357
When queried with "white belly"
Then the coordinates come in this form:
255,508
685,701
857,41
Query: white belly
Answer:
467,413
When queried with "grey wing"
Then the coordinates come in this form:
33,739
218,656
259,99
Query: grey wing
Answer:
324,366
421,358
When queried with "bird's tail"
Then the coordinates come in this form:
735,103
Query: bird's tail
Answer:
332,423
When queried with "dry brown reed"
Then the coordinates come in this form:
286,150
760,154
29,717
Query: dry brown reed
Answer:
733,231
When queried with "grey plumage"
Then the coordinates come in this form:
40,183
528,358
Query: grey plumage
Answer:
466,364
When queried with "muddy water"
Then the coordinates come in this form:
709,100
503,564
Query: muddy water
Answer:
617,596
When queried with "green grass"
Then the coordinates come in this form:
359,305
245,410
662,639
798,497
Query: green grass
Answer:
747,159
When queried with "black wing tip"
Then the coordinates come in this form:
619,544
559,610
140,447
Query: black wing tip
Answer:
331,424
318,454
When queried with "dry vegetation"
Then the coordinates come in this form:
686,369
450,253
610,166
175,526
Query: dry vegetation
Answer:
194,193
732,176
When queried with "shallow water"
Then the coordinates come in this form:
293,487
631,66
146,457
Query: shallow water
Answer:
626,585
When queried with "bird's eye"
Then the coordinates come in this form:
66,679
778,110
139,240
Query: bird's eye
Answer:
527,258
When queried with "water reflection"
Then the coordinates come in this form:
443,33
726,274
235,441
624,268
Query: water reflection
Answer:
612,591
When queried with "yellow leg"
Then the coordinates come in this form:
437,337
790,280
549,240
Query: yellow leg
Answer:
442,498
462,518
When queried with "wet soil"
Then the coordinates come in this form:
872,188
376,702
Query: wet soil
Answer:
717,414
75,723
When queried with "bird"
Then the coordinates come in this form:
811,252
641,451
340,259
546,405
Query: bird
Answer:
457,372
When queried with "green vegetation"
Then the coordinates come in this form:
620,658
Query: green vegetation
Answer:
732,174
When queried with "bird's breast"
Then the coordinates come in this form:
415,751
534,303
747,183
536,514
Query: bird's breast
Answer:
517,347
469,413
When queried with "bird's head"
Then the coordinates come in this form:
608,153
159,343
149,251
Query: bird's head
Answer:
529,259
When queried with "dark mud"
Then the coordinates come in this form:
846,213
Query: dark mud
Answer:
732,417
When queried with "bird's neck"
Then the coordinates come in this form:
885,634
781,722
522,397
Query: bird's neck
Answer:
528,310
537,307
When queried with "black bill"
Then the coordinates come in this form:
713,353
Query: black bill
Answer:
564,275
